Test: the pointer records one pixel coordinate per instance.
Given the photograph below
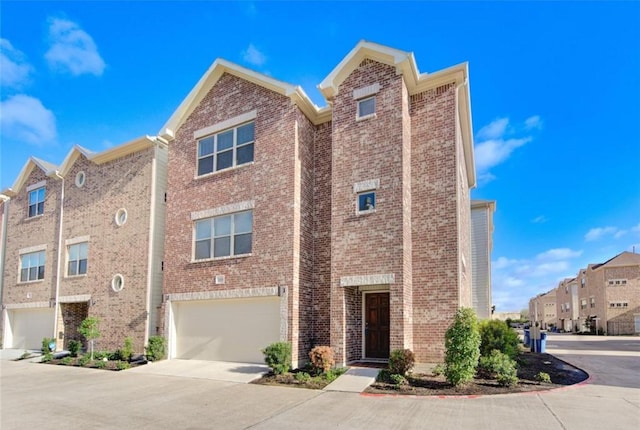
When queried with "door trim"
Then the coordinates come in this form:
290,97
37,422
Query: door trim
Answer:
363,314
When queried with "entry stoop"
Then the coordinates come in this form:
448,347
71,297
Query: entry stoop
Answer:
354,380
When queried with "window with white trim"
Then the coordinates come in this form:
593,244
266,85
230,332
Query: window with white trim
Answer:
592,302
223,236
583,304
366,202
32,266
36,202
226,149
77,259
367,107
117,283
617,282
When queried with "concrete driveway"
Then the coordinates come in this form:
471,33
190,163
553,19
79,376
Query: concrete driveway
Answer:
35,395
217,370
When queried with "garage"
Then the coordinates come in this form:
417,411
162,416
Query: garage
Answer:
225,330
27,327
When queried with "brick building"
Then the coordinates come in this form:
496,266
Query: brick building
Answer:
85,239
348,225
542,309
481,245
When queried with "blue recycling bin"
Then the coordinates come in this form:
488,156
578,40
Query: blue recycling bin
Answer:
542,347
527,337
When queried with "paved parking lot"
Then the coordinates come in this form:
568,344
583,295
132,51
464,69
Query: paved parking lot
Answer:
34,395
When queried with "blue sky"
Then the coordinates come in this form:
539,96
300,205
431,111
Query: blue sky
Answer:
555,94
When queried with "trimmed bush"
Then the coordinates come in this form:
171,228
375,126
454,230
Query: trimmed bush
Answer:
122,365
501,367
127,349
74,347
47,355
543,377
322,359
401,361
495,334
462,347
303,377
278,357
438,369
156,349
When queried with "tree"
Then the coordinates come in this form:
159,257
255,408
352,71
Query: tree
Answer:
89,329
462,347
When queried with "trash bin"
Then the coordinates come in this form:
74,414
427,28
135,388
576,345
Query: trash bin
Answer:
542,346
527,337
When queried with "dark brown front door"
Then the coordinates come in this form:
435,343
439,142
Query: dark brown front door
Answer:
376,325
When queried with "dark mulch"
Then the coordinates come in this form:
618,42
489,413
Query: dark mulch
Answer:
289,379
529,365
95,364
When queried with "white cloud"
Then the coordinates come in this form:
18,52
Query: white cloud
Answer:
253,56
636,228
498,140
14,66
558,254
72,49
25,118
598,232
539,219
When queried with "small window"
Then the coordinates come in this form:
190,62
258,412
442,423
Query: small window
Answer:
121,216
223,236
366,202
32,266
36,202
80,178
117,283
77,264
366,107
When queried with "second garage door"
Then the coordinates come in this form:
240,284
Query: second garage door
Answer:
226,330
29,326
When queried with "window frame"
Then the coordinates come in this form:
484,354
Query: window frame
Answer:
78,261
214,155
38,204
40,268
363,195
214,235
360,102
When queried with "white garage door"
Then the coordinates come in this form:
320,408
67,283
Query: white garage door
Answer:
226,330
28,327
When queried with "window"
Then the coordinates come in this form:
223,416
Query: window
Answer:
117,283
366,201
77,259
36,202
223,236
226,149
80,178
366,107
583,304
121,217
592,302
617,282
32,266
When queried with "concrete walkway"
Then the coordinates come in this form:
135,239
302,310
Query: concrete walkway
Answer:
355,380
216,370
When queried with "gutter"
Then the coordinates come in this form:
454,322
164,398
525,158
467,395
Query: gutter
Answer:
58,274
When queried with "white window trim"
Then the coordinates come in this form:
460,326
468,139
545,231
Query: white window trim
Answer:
81,175
234,147
78,239
117,217
371,115
223,210
113,283
36,186
366,211
31,250
368,185
67,246
229,123
212,238
365,92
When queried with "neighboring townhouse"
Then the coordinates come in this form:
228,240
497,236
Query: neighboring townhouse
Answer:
481,245
542,309
348,225
567,304
86,239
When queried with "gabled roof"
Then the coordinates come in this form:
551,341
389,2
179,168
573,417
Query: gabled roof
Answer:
49,169
625,258
215,72
54,171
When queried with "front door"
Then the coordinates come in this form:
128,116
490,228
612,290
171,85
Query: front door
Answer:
376,325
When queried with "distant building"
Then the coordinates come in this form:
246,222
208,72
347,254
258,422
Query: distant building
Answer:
542,309
503,316
481,246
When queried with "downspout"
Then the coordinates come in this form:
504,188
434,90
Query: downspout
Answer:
3,235
58,274
150,259
460,255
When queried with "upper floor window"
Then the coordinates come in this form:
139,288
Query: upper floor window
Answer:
36,202
366,201
77,264
617,282
226,149
223,236
32,266
366,107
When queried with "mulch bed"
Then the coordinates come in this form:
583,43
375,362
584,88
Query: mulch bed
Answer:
95,364
289,380
529,364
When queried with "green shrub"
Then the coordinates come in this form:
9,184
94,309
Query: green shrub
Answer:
462,347
322,359
398,379
438,369
99,355
303,377
122,365
45,344
67,361
333,374
384,376
74,347
543,377
156,349
116,355
100,364
501,367
127,349
401,361
84,360
495,334
278,357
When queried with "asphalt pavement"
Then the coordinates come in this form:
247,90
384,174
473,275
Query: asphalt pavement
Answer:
34,395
